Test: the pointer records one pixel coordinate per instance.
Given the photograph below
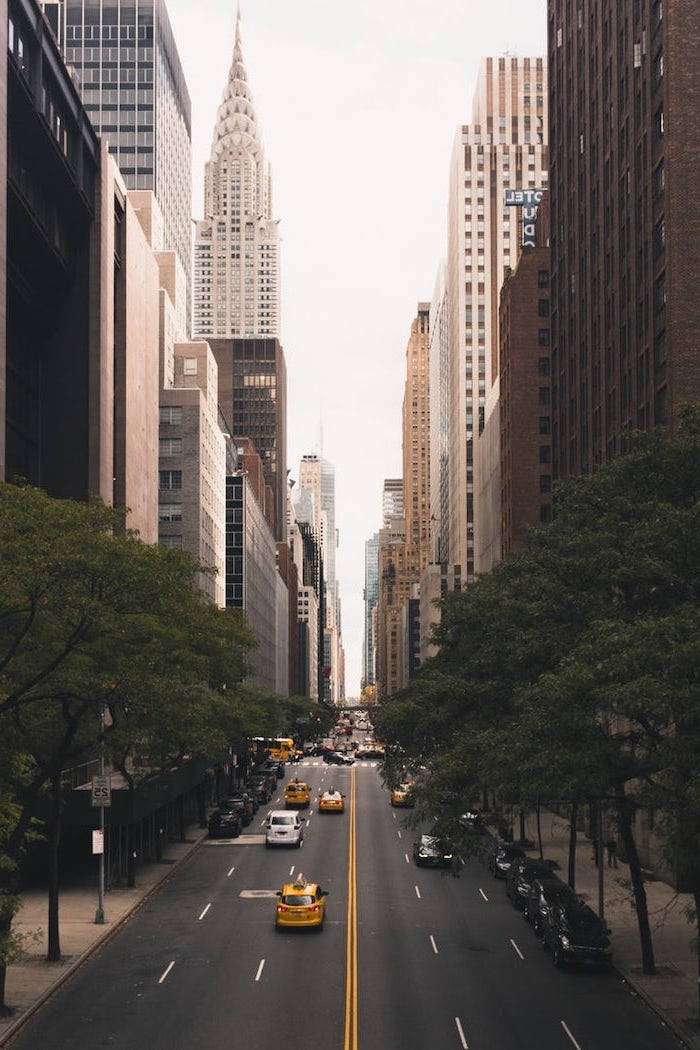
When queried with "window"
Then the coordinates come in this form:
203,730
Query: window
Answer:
170,479
660,293
543,307
170,446
659,237
543,365
543,278
657,13
545,454
545,513
660,348
543,337
170,512
659,122
189,366
545,482
543,395
657,68
171,415
544,424
170,541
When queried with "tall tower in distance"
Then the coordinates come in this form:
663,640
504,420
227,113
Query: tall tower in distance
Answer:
416,441
236,254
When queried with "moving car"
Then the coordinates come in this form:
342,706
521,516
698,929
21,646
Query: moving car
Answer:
284,828
337,758
402,795
574,934
432,852
501,856
224,823
472,821
545,894
297,793
520,877
301,904
331,801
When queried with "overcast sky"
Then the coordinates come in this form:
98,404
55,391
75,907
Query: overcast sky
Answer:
358,102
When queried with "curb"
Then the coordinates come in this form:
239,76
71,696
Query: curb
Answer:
100,942
673,1027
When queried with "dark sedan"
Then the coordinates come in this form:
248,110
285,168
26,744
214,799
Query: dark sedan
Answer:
337,758
520,876
574,934
500,858
241,804
545,894
432,852
224,823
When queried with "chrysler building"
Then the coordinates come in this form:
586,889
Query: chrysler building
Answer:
236,255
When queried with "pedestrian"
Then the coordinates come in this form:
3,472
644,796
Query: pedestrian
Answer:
611,847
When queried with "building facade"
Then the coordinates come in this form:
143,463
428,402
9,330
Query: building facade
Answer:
504,147
370,595
253,400
438,380
416,441
625,245
134,91
236,261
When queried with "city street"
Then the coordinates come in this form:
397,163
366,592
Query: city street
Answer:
425,960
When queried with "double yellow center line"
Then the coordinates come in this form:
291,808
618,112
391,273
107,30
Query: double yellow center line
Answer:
351,946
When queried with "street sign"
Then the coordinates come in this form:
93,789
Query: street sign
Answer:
101,790
98,841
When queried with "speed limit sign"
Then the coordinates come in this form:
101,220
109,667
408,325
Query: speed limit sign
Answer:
101,791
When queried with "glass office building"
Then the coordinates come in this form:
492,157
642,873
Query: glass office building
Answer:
134,91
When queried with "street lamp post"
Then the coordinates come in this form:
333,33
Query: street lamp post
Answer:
100,913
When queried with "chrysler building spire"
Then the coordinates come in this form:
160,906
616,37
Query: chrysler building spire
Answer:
237,243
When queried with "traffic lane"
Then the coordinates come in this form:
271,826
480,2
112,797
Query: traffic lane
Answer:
406,993
131,995
595,1005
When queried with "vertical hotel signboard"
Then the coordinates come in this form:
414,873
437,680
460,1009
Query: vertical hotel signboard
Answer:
528,201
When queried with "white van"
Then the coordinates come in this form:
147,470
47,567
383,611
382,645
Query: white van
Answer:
284,828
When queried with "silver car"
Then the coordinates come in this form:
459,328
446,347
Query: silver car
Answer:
284,827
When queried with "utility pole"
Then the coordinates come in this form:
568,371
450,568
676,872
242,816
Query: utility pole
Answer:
601,862
101,795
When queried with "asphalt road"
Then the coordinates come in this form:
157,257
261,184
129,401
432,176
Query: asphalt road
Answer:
425,961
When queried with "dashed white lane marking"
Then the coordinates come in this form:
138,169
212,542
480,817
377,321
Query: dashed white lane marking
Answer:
230,872
398,833
291,870
483,894
407,860
432,941
517,950
394,816
568,1032
460,1032
417,892
169,968
262,822
260,970
204,912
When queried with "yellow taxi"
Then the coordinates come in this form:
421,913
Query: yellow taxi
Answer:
331,801
297,795
402,795
301,904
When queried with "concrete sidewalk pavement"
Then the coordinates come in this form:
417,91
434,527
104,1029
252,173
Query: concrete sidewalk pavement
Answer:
673,992
31,980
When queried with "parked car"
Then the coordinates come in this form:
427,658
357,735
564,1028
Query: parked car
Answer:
472,821
260,788
545,894
520,876
274,766
501,856
242,804
224,823
574,934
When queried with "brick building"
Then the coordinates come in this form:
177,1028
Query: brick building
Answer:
625,230
526,451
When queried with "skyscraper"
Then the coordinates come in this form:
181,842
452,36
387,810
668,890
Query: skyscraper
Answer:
502,148
416,442
625,227
439,423
392,499
236,262
134,91
370,595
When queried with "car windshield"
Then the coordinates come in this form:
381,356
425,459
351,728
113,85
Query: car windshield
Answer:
298,900
582,922
282,820
296,787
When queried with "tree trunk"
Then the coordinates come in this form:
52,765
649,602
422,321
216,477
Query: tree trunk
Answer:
539,830
572,846
640,895
54,949
5,928
522,823
484,798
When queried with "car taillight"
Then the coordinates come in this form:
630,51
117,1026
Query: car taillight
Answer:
315,907
282,907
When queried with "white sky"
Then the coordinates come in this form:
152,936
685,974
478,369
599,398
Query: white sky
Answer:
358,102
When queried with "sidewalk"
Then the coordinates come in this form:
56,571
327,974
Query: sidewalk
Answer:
30,981
673,992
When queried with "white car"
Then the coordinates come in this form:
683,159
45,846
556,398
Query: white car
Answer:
284,827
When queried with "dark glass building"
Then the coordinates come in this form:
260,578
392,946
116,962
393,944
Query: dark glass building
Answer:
133,87
253,401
